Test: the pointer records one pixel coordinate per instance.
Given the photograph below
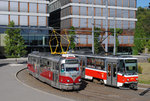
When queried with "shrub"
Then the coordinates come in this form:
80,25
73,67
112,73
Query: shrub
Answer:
149,60
140,69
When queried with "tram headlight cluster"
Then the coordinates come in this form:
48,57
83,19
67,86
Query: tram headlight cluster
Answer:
68,80
136,79
127,79
79,80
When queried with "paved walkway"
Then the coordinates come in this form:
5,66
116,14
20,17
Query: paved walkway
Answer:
13,90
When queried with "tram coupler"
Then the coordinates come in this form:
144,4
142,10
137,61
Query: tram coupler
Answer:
133,86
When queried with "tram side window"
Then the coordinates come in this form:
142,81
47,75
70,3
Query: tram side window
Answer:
100,64
121,66
49,64
91,62
29,59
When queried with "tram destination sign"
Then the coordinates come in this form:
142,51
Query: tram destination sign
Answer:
75,61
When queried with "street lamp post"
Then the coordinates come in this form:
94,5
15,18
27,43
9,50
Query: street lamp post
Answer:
106,27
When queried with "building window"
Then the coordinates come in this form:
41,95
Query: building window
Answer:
90,12
98,2
112,23
3,19
23,7
89,39
104,2
42,21
14,19
119,24
24,20
112,12
132,3
33,21
89,23
119,13
83,10
83,23
112,2
132,25
75,22
98,12
75,1
33,7
42,8
125,24
125,3
119,2
82,39
83,1
75,10
104,12
14,6
98,23
125,13
3,5
132,14
90,1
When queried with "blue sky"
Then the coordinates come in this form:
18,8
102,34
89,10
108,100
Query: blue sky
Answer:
143,3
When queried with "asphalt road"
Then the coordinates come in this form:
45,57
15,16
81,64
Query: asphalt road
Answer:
27,88
13,90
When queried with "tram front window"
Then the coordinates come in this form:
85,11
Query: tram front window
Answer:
131,66
70,68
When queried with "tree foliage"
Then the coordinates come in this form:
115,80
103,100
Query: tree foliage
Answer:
142,31
71,37
96,41
118,32
14,42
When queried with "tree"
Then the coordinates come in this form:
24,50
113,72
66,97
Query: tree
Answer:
118,32
14,42
71,37
96,41
142,31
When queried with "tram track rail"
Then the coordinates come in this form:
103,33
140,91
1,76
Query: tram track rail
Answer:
89,91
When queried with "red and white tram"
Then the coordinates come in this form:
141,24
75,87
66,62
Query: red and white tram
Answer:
61,72
118,71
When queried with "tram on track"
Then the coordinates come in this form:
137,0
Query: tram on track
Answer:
118,71
59,71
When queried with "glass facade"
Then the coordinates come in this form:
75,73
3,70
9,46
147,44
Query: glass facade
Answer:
26,14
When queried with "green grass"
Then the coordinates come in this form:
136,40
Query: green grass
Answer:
145,76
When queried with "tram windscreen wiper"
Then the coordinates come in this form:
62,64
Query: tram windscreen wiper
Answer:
144,92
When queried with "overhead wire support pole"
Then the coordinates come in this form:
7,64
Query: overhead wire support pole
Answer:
106,41
92,29
114,36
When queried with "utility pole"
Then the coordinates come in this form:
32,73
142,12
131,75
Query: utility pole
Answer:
114,36
92,29
106,40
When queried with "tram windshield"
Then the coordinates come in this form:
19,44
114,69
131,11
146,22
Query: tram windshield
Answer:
70,68
131,66
128,66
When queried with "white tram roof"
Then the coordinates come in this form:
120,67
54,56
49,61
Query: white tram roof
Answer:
49,56
108,57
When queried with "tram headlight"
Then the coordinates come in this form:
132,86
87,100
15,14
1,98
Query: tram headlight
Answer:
79,80
68,80
127,79
136,79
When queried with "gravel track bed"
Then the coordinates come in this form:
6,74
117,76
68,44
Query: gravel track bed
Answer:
89,91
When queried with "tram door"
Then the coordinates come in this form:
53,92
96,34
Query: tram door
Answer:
112,73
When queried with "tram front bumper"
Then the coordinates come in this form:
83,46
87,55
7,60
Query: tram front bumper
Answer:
72,86
132,85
